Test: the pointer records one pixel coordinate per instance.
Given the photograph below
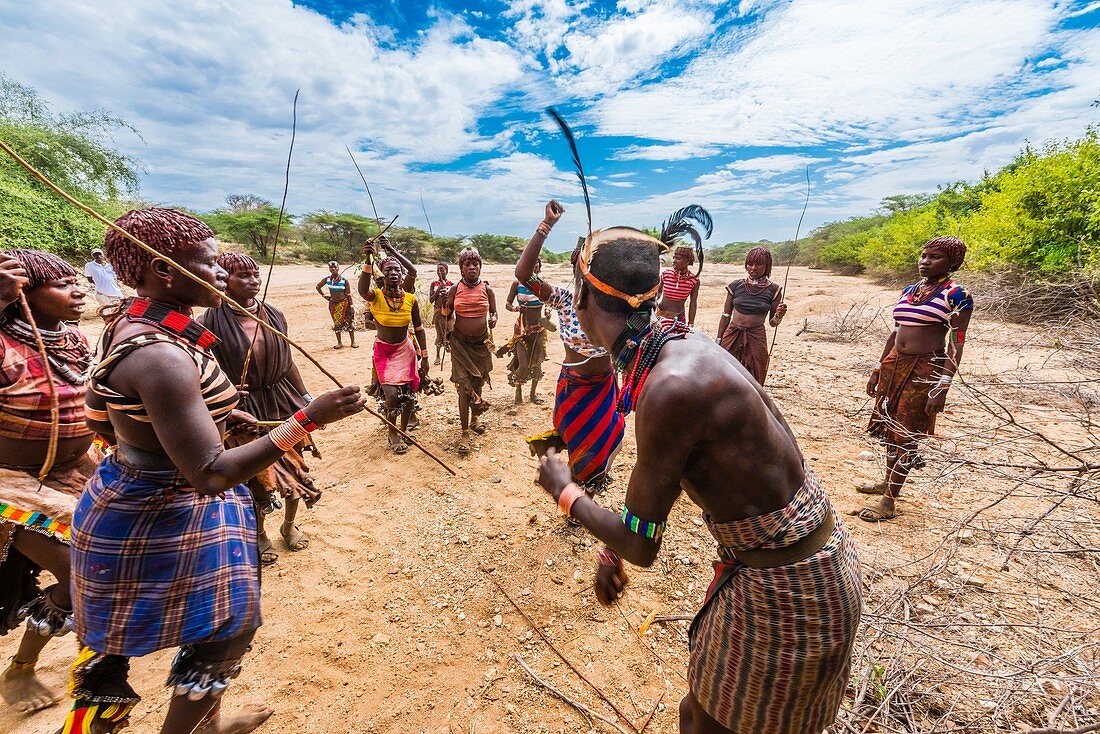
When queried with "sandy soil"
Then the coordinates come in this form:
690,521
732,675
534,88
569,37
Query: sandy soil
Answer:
388,623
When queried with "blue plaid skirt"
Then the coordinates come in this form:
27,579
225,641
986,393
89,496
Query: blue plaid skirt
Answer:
156,565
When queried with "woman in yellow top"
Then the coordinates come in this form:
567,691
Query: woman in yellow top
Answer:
392,309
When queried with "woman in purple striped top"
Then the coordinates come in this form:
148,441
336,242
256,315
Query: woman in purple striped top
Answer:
921,356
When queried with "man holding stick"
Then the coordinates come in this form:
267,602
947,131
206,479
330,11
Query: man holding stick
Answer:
771,646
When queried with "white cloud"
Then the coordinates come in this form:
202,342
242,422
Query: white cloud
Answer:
811,72
590,55
775,163
678,152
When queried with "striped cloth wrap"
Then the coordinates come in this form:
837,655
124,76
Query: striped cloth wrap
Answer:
771,648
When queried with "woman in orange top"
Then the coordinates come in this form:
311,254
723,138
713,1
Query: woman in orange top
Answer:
471,309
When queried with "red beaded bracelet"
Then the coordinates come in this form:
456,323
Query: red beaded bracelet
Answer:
305,422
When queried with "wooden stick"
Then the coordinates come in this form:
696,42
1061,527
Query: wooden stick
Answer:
575,704
275,244
557,652
55,406
203,284
794,253
1080,730
652,711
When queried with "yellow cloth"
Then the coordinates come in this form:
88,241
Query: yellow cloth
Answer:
384,315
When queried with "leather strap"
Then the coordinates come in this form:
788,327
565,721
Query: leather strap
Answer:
773,558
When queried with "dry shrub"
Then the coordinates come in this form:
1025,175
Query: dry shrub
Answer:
1013,295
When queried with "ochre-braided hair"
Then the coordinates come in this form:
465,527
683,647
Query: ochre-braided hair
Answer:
165,230
232,262
42,267
953,249
760,256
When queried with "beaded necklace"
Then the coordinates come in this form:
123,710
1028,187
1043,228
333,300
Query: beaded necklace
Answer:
756,286
173,320
394,299
63,348
925,290
645,352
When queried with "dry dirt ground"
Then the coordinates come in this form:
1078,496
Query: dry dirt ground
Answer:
388,622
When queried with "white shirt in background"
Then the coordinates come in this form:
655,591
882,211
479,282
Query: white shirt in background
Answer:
103,276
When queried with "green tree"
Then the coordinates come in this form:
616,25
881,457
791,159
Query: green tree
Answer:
76,150
255,227
337,235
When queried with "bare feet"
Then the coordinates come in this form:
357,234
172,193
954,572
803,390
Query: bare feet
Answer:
245,719
295,539
22,690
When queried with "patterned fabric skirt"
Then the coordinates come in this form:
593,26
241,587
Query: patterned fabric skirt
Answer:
156,565
533,344
586,418
749,346
395,364
471,361
771,648
440,323
27,507
343,315
898,417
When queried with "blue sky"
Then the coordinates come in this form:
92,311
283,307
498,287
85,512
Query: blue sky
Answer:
724,104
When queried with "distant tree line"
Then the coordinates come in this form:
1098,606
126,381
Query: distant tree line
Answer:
1039,215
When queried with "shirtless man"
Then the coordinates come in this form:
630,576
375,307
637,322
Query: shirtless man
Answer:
771,646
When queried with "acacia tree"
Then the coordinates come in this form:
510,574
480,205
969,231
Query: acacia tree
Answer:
343,232
255,225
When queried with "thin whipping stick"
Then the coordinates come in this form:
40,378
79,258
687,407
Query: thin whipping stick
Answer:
55,405
274,245
203,284
794,253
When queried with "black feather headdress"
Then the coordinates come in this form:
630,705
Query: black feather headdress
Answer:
596,238
688,221
576,161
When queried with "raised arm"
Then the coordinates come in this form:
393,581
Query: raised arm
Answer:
525,266
13,278
409,283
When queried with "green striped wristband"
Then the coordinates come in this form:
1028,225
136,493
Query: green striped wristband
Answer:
645,528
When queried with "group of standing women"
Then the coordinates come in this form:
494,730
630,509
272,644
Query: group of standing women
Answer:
159,545
157,528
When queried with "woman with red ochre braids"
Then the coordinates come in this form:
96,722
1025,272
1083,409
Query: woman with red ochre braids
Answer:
749,302
35,518
164,536
921,356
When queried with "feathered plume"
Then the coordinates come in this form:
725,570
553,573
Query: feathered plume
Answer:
685,221
576,161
